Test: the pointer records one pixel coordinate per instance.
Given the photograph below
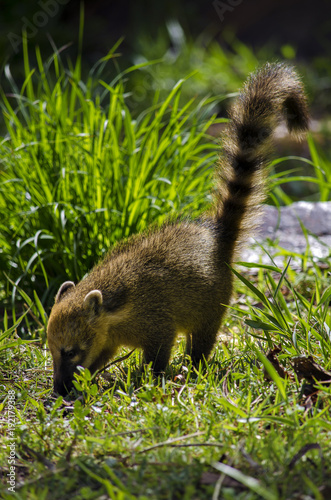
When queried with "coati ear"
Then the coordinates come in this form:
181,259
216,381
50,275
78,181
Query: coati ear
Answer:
93,301
64,288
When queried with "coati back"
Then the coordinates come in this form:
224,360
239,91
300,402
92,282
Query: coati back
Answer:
176,279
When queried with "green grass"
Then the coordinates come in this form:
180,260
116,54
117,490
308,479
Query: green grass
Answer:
195,433
78,173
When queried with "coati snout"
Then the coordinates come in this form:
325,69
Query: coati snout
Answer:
177,279
77,335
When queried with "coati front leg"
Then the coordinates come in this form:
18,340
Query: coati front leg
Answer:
157,348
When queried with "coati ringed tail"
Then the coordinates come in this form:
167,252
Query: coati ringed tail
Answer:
176,279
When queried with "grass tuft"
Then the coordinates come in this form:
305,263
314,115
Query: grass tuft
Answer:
75,161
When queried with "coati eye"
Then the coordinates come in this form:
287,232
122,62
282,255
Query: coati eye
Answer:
69,354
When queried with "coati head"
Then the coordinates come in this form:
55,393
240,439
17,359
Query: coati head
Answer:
76,334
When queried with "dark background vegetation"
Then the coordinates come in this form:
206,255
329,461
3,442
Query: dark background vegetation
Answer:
304,24
298,30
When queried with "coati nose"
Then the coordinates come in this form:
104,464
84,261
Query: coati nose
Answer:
62,388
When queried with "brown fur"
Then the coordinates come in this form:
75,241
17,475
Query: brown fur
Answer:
176,279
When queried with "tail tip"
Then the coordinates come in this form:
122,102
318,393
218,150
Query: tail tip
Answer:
296,113
288,87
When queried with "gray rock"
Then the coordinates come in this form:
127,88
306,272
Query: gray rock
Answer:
282,227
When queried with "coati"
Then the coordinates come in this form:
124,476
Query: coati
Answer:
177,279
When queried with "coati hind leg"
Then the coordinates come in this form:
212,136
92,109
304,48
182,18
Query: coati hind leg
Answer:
202,341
